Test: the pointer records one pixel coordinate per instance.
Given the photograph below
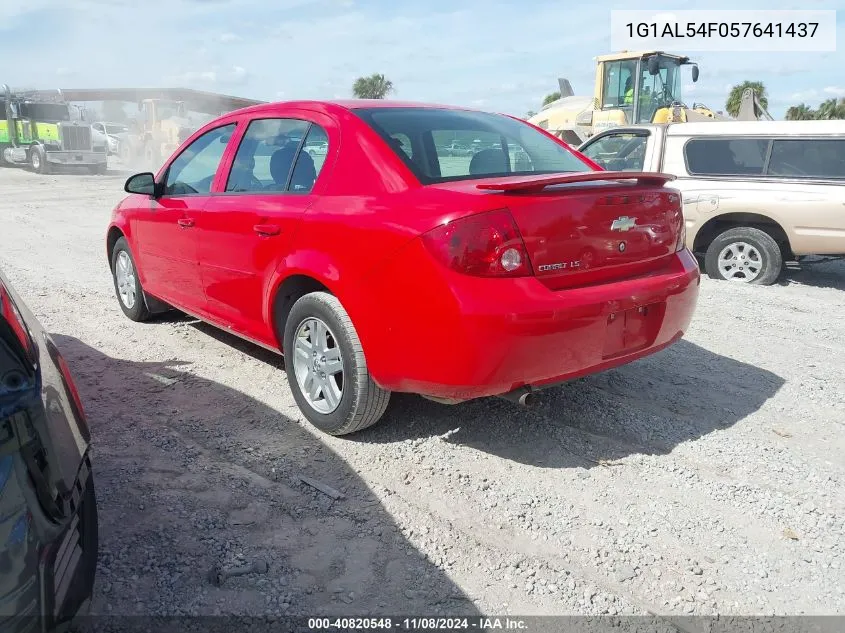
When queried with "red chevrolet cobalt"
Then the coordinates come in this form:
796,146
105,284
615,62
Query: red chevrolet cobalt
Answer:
386,246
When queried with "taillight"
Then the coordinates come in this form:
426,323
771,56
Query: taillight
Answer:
484,245
675,201
9,311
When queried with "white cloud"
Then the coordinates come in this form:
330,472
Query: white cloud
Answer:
234,75
835,90
226,38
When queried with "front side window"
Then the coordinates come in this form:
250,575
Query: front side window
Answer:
194,169
458,145
660,90
619,84
726,157
269,157
816,158
623,151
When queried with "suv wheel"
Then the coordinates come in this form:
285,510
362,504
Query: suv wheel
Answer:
744,254
326,368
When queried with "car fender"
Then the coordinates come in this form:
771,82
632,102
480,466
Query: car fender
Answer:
122,224
309,263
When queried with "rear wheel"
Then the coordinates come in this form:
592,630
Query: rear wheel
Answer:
745,254
130,294
326,368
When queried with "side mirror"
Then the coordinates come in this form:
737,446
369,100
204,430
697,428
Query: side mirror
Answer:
653,65
694,74
143,184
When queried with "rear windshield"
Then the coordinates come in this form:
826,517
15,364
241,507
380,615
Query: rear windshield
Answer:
441,145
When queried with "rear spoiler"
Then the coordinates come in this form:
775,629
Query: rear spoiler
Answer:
529,184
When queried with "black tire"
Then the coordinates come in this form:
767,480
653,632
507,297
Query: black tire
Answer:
138,311
362,402
769,263
38,160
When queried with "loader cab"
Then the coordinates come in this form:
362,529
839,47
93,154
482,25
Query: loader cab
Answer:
632,87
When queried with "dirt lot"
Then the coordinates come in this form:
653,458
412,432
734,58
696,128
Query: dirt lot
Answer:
707,478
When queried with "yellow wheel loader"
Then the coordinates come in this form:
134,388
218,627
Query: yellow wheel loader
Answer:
632,88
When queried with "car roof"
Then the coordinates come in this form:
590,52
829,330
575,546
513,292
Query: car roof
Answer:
338,105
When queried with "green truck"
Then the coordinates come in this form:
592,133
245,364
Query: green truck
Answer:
40,135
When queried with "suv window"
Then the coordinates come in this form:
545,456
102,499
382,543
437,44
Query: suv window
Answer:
496,145
194,169
623,151
817,158
726,157
267,153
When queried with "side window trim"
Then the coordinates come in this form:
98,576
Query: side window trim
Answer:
297,154
166,173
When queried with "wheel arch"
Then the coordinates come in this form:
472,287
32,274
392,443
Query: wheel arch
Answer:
114,233
721,223
286,290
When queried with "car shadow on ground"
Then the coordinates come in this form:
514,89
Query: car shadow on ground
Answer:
191,473
830,274
646,407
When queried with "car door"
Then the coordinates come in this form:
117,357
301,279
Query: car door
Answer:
166,228
248,226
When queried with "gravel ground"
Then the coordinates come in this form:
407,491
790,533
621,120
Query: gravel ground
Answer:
705,479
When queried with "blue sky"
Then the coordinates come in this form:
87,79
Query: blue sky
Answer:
493,54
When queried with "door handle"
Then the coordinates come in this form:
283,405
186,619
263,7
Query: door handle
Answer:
185,223
267,229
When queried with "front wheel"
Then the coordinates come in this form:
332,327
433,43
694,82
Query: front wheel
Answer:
38,160
130,294
326,368
745,254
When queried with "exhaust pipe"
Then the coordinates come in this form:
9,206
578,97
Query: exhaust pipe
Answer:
10,119
523,396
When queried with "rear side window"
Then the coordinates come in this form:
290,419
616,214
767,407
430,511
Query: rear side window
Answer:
799,158
269,158
726,157
441,145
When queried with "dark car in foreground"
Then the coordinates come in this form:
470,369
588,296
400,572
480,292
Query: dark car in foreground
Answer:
48,511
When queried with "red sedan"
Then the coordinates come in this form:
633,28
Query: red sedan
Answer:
350,236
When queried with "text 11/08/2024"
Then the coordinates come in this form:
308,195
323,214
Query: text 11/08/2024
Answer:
711,30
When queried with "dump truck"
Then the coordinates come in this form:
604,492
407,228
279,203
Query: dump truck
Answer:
632,88
40,134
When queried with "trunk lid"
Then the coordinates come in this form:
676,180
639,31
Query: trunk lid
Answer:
593,227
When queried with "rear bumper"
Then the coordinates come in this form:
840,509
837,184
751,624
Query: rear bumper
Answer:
54,577
456,337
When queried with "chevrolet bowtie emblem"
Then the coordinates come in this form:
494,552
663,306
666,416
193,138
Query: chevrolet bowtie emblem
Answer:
623,224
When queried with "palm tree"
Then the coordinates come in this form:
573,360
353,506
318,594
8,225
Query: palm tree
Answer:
831,109
554,96
529,114
376,86
801,112
735,96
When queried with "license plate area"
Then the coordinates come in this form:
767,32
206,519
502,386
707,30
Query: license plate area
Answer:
631,330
